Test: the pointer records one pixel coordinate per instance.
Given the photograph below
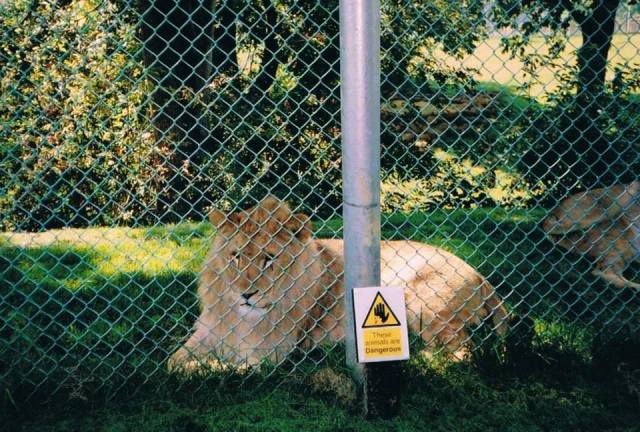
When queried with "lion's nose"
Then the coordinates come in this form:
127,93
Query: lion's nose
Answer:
248,295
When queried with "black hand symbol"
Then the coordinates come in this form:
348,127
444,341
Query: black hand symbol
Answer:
380,312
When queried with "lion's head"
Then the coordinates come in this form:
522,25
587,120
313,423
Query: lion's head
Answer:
574,212
258,256
585,209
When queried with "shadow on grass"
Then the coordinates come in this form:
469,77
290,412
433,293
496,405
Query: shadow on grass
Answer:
554,390
70,330
67,328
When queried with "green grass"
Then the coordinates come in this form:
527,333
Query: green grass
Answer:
549,389
90,316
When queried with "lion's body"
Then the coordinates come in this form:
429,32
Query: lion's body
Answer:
603,224
293,289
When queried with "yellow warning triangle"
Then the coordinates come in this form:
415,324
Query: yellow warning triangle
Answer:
380,314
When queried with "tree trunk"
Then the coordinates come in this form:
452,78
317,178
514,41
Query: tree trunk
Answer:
271,56
597,32
224,56
178,37
592,152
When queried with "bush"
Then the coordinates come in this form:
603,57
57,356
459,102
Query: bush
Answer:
82,145
74,149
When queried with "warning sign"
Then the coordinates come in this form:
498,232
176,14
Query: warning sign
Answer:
380,314
381,324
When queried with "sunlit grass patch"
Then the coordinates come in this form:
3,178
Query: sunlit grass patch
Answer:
109,251
495,66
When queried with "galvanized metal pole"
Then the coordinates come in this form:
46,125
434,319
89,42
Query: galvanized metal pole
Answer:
360,110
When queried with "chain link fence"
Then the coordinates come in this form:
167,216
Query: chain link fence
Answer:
129,126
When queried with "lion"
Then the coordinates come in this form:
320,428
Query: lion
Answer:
603,224
268,287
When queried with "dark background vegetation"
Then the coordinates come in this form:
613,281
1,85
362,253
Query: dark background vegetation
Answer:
144,112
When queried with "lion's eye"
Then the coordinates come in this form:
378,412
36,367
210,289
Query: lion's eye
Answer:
267,264
235,258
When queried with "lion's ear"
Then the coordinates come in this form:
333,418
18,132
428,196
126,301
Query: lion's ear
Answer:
300,225
216,217
271,203
273,208
219,219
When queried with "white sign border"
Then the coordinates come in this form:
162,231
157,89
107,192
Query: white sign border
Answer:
363,297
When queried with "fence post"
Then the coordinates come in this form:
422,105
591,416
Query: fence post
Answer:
360,112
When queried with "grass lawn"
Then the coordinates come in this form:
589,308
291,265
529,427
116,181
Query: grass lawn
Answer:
494,66
90,316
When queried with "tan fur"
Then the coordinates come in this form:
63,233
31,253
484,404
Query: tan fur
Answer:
603,224
297,300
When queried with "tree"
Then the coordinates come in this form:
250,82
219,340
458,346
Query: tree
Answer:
73,152
272,134
178,45
585,150
188,44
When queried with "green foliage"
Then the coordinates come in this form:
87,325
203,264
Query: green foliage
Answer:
73,148
286,141
78,148
548,157
411,36
82,145
585,138
457,182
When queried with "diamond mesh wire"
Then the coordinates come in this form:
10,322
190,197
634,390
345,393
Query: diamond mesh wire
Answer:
126,126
